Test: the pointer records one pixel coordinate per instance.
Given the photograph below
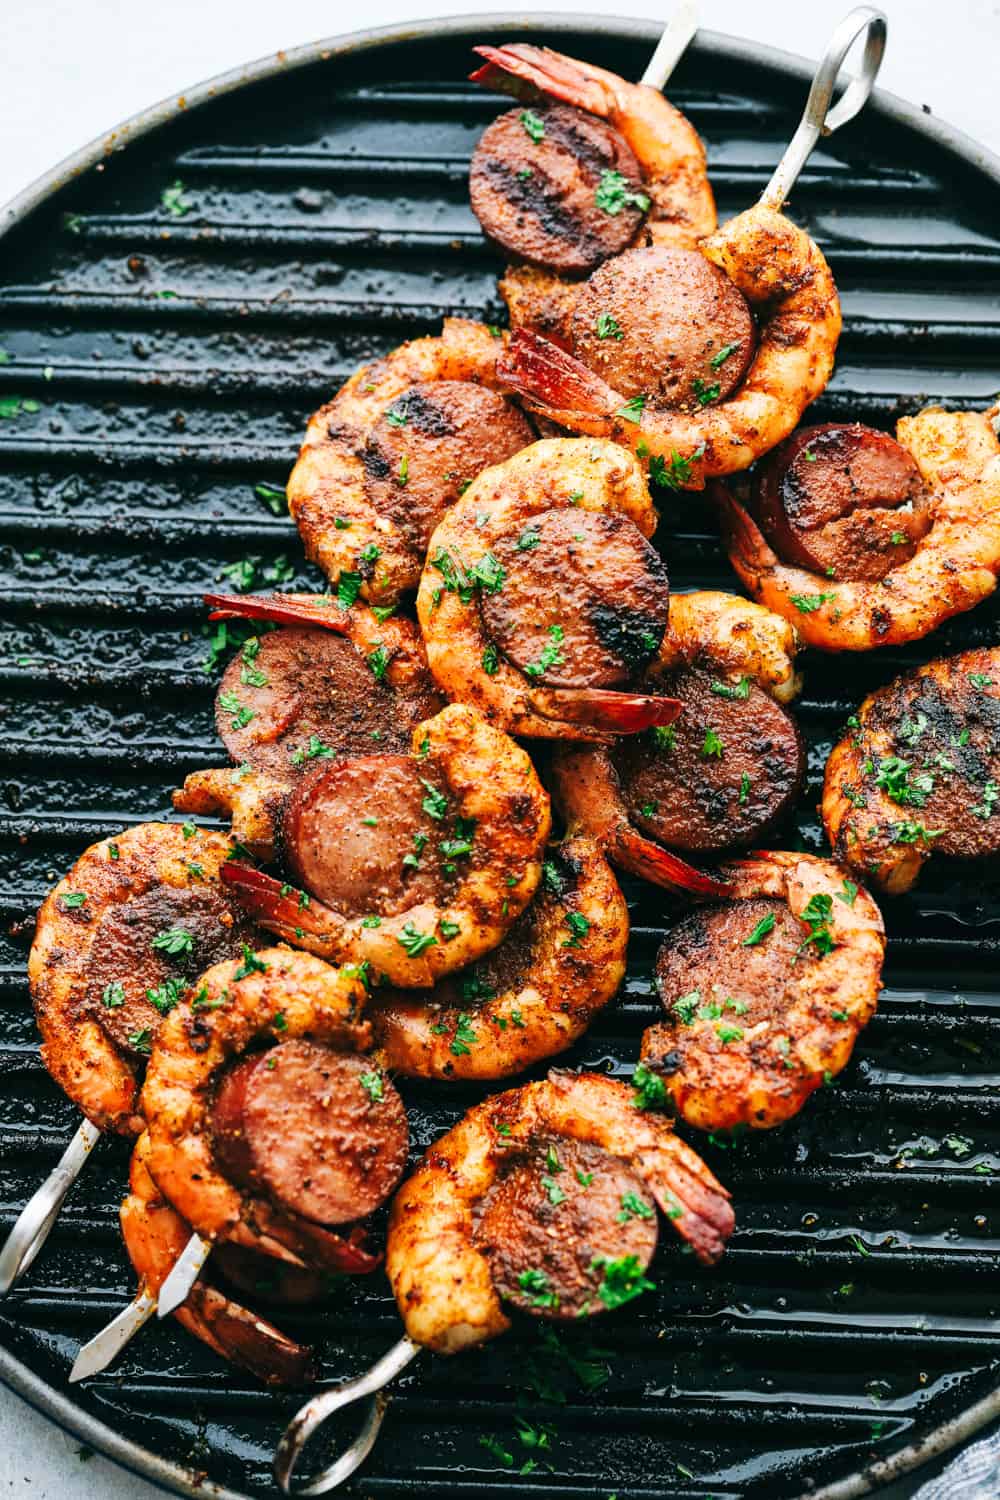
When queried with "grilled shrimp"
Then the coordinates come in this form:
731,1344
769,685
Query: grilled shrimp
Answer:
411,866
765,995
725,772
395,447
155,1237
699,360
117,942
542,599
918,773
522,1201
601,163
273,997
946,530
335,681
532,997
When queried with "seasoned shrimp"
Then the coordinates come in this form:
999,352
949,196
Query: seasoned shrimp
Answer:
578,180
455,1236
727,770
335,682
118,940
542,599
918,772
668,359
274,996
532,997
395,447
410,866
155,1237
766,994
947,568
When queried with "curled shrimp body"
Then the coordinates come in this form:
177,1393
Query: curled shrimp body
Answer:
541,598
700,430
532,997
766,994
413,866
104,967
918,773
951,568
382,461
442,1279
273,996
332,681
155,1236
732,665
536,181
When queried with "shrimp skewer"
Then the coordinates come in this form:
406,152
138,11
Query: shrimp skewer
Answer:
666,357
765,995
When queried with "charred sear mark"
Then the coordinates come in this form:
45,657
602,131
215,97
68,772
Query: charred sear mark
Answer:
633,636
419,411
533,198
374,462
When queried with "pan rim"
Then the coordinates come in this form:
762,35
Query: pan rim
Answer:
16,1376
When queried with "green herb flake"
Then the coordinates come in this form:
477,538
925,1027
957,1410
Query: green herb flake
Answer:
415,942
760,932
739,690
613,194
113,995
374,1086
533,124
650,1090
807,604
632,410
622,1279
634,1207
578,925
608,327
712,744
173,200
718,360
73,900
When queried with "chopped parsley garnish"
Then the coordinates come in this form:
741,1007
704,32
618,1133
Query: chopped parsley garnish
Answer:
650,1090
608,327
142,1041
551,655
188,830
536,1284
634,1207
744,787
739,690
584,1178
403,472
315,750
166,995
174,201
373,1085
712,744
274,498
174,942
613,194
553,1191
113,851
534,125
632,410
979,680
685,1006
578,925
415,942
718,360
806,604
490,660
817,914
371,921
250,964
894,778
72,900
448,930
242,574
728,1034
552,877
849,893
760,932
496,1449
664,736
378,659
706,393
113,995
278,1021
909,832
991,792
899,538
486,574
435,804
241,715
348,589
528,540
622,1279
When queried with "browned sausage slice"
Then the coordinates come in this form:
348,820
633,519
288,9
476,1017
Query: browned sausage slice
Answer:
142,962
584,600
666,325
723,774
305,689
554,1218
324,1133
707,955
389,817
430,444
535,187
843,500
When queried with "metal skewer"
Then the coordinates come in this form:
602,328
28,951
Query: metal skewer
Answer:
187,1268
42,1209
816,121
109,1343
319,1408
677,37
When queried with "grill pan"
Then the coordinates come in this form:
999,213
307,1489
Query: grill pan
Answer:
173,361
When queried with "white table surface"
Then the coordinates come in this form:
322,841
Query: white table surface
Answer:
69,69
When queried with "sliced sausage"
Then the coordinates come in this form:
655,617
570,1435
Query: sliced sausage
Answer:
430,444
707,956
584,599
552,1218
666,325
131,984
843,500
323,1133
727,770
359,836
317,689
535,186
943,722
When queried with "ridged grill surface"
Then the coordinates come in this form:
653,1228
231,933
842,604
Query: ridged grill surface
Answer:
173,361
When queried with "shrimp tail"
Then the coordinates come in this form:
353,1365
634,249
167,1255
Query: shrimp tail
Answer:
610,712
554,383
741,536
526,71
706,1219
282,609
247,1339
651,862
282,909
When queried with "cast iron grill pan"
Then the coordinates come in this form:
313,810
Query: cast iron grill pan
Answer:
174,360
